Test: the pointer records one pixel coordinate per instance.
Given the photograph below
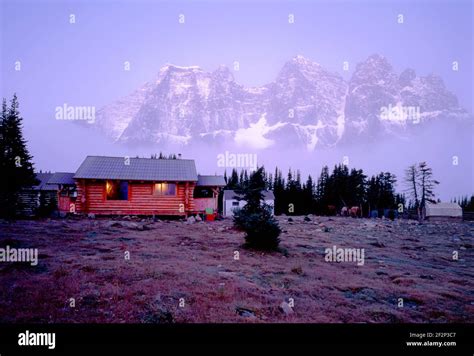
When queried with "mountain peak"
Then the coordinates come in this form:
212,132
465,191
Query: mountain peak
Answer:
376,69
406,77
299,67
300,60
306,102
172,67
223,73
376,61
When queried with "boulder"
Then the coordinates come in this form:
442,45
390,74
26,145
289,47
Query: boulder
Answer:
110,224
246,313
286,309
130,225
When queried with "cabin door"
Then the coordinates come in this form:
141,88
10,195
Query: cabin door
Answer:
63,204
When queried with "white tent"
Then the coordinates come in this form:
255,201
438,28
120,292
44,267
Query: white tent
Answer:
443,210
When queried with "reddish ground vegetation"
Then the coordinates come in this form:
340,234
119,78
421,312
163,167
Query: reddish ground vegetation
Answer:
172,262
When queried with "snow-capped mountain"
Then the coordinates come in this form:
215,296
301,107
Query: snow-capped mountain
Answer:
380,102
306,103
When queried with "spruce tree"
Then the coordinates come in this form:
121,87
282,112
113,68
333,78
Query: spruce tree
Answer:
308,193
233,181
16,166
255,218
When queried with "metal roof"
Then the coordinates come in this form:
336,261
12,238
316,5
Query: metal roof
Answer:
62,178
231,194
100,167
43,179
211,181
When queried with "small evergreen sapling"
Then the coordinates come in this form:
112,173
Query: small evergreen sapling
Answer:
255,218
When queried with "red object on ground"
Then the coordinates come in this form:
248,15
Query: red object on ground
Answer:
210,217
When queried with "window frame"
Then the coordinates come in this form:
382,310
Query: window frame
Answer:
155,190
119,182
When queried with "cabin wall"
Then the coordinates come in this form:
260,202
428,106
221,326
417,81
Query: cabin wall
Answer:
64,204
229,206
91,198
30,201
202,204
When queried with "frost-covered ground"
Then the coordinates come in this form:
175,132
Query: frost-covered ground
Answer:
179,272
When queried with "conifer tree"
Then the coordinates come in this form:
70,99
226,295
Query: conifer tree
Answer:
15,160
427,184
255,218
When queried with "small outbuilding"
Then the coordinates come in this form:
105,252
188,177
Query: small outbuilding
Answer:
231,201
443,211
39,199
206,193
66,191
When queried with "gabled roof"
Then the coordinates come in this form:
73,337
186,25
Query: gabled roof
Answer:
100,167
231,194
62,178
43,184
211,181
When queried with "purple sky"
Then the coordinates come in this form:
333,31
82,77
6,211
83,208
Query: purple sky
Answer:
82,63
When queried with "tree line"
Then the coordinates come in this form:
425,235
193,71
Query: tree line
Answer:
341,188
466,203
328,194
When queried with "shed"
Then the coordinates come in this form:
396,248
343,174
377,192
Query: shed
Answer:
66,191
32,198
206,192
230,201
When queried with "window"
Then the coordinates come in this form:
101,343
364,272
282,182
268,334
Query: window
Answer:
164,189
116,190
68,192
203,192
235,203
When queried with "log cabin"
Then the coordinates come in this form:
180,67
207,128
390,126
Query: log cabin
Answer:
140,186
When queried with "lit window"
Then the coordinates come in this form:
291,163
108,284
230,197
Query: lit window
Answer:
116,190
165,189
